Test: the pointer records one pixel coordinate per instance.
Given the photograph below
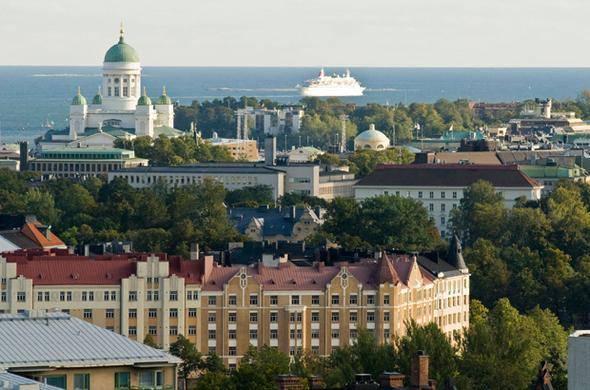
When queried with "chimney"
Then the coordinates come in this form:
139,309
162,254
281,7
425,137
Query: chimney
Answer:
419,371
270,150
24,156
194,251
389,380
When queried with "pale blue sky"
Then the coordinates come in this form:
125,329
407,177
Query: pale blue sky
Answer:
300,33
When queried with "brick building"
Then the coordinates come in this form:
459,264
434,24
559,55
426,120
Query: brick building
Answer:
227,309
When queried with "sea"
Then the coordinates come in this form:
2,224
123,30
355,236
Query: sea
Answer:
33,95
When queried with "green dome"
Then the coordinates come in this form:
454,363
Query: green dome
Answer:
164,99
144,100
79,100
97,99
121,52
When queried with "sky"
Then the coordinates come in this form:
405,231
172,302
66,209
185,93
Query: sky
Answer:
354,33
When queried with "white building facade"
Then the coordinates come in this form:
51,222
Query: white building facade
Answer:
440,187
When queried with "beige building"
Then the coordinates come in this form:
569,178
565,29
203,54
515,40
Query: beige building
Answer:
66,352
240,149
227,309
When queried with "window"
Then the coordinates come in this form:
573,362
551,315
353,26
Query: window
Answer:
132,331
315,299
370,299
122,380
192,312
106,296
274,316
174,295
87,313
431,207
113,295
132,313
192,295
370,316
3,296
253,299
153,313
232,300
442,194
420,194
21,296
335,316
442,207
132,296
156,295
295,317
211,334
443,220
315,333
335,299
151,379
173,313
211,317
153,330
294,299
232,351
253,334
352,317
253,317
335,333
386,334
110,313
212,300
353,299
56,380
81,381
231,316
353,333
274,334
454,194
386,316
231,334
292,334
315,316
274,300
212,350
174,331
386,299
431,195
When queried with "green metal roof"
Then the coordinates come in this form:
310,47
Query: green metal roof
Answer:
121,52
164,98
79,100
97,99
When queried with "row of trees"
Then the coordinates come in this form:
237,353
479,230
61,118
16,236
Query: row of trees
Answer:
502,349
535,253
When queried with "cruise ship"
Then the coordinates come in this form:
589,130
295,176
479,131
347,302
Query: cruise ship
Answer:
335,85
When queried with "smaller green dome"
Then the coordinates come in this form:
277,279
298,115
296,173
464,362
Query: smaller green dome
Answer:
97,100
79,100
144,100
164,99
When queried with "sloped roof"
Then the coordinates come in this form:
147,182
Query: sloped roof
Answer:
274,221
47,240
76,271
447,175
57,340
15,382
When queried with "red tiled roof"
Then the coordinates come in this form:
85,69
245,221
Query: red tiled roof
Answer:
76,271
49,240
447,175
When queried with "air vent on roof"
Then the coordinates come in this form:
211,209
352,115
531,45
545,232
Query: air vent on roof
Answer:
293,281
108,275
40,276
75,276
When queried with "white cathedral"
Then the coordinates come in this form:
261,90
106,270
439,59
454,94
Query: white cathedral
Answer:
120,109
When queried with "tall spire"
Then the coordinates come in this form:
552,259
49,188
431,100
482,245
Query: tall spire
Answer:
144,92
456,254
121,33
164,91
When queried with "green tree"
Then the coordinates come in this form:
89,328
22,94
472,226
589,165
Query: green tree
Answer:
363,162
253,196
188,353
260,367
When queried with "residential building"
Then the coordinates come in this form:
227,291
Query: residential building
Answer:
291,224
240,149
280,120
25,232
80,162
578,360
227,309
67,352
440,187
119,110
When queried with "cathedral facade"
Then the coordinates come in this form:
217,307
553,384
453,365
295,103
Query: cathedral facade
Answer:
120,109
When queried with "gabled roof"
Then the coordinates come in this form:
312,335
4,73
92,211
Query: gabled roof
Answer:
57,340
447,175
273,221
48,240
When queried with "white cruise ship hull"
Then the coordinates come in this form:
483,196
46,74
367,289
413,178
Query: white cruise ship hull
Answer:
331,91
